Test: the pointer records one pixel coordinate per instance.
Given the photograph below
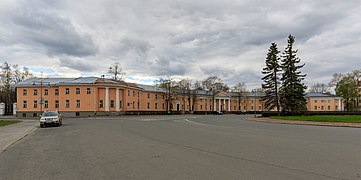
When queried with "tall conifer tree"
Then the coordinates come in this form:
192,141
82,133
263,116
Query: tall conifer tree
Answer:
292,89
271,79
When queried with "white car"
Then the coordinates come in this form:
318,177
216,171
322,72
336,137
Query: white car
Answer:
51,117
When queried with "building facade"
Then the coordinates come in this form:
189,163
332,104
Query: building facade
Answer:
91,96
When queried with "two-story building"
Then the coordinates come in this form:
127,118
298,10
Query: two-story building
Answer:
92,96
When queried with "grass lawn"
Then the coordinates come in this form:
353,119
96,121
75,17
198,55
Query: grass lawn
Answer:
325,118
8,122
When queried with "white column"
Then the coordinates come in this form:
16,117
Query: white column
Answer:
214,105
107,99
117,105
219,104
339,105
229,105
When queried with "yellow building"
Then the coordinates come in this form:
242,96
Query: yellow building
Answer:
91,96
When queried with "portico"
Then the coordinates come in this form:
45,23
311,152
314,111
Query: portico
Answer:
222,102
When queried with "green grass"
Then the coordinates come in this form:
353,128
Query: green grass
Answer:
325,118
8,122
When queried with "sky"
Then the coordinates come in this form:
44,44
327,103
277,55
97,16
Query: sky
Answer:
179,38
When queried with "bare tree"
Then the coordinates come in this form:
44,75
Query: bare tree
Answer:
239,89
320,88
116,72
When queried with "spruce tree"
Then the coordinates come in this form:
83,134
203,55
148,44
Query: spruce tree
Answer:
271,79
292,89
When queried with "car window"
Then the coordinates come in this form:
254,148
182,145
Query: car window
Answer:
45,114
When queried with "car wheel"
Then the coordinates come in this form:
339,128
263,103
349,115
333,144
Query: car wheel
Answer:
61,122
41,125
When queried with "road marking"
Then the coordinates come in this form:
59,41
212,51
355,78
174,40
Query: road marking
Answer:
192,122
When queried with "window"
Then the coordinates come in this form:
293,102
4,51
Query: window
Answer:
25,105
148,105
56,105
336,108
46,104
322,108
77,91
77,113
25,92
88,91
77,103
67,91
259,108
156,105
148,96
316,101
35,104
201,107
56,91
235,107
315,107
156,96
133,93
128,93
67,104
322,100
46,92
35,92
101,103
120,104
252,108
163,106
112,103
133,104
245,108
163,98
128,104
328,101
328,107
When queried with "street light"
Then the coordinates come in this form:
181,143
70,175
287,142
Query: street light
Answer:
254,106
41,100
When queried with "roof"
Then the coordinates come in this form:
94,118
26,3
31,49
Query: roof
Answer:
150,88
57,81
318,94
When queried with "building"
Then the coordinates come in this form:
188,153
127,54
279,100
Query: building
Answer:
92,96
323,102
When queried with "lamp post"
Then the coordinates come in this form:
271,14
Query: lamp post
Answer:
41,100
255,94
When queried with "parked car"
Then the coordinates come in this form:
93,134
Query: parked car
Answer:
218,112
51,118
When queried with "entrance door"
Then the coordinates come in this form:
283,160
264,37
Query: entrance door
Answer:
177,107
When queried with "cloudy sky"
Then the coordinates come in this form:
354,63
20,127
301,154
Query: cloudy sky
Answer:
181,38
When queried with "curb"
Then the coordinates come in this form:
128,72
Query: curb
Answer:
307,123
18,139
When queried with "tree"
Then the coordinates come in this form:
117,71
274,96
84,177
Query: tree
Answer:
169,85
271,79
347,86
185,87
116,72
10,75
239,89
292,89
320,88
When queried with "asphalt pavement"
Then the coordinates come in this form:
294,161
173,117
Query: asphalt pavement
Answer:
12,133
183,147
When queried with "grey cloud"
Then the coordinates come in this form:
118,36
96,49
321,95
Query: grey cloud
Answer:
185,37
77,64
54,32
